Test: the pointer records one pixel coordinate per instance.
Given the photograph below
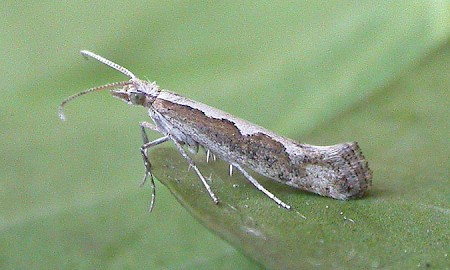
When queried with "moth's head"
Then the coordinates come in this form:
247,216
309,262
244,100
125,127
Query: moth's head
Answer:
134,91
137,92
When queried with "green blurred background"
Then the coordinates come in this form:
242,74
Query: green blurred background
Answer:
376,72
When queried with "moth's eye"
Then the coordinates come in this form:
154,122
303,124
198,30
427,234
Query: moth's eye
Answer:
137,98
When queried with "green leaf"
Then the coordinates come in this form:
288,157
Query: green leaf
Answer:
319,72
402,223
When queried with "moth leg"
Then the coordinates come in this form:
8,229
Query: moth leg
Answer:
147,164
192,164
147,144
147,125
260,187
208,154
144,148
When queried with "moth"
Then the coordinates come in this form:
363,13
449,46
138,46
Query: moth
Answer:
339,171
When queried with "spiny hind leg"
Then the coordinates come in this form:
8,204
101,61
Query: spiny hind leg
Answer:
208,153
260,187
192,164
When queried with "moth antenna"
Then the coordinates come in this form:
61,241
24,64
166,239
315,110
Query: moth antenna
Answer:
94,89
109,63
